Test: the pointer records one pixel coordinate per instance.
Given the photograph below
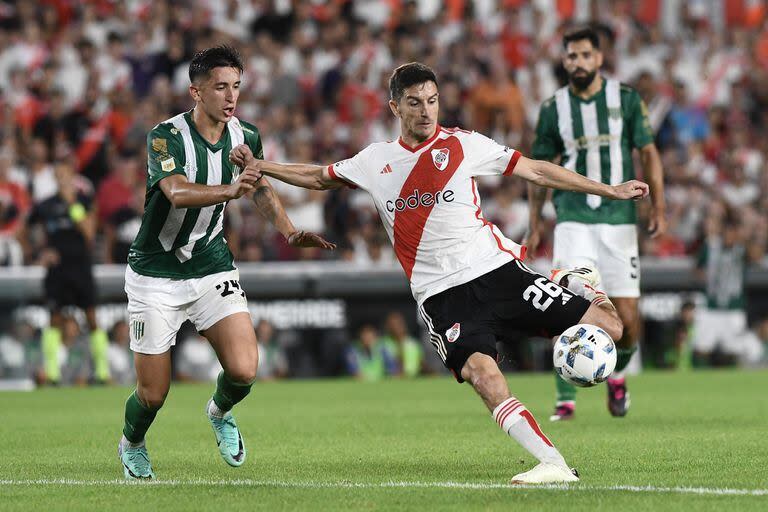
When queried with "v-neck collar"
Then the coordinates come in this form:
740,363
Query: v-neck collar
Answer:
423,144
213,147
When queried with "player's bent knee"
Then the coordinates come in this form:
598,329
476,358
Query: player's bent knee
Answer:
482,372
152,399
244,375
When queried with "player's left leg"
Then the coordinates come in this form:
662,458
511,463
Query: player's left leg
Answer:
618,396
234,340
220,313
483,373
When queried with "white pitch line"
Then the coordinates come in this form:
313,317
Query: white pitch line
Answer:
394,484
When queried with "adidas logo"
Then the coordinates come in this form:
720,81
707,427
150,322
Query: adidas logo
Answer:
386,170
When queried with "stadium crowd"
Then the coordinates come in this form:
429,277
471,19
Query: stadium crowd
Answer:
82,83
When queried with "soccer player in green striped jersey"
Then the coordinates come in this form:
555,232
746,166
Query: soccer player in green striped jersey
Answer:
591,127
179,265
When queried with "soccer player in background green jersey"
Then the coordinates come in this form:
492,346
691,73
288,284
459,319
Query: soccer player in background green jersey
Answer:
179,266
591,127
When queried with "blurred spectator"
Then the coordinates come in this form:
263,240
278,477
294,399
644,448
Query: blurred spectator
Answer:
754,353
273,362
722,325
367,358
407,352
120,357
19,354
680,354
68,226
68,363
14,207
196,360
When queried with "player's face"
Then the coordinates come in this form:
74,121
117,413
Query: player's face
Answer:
217,95
417,111
581,62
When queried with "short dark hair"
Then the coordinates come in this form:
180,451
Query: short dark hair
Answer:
407,75
581,34
223,56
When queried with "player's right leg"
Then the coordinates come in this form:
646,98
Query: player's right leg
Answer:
575,245
460,326
483,373
153,374
155,316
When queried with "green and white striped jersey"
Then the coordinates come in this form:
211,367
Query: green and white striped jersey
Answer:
595,138
185,243
726,269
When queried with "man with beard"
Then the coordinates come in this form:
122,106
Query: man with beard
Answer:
591,127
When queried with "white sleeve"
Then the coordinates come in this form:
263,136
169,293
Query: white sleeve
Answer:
352,171
491,158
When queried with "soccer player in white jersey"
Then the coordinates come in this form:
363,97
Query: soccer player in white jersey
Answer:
466,276
591,126
179,266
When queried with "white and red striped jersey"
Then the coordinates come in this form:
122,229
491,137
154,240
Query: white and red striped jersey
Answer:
427,199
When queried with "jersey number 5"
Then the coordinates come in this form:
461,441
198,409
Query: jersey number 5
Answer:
535,293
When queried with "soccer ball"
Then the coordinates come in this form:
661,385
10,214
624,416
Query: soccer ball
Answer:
584,355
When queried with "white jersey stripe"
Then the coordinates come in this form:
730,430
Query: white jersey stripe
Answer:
565,126
184,253
176,216
592,135
615,129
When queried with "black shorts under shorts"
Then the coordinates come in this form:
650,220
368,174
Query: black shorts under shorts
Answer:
70,285
473,316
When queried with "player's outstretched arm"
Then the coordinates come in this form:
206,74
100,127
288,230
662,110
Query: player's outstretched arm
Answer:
271,208
547,174
183,194
310,176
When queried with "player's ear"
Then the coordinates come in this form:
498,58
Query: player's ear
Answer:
194,92
394,107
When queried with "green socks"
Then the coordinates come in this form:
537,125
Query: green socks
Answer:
51,344
623,355
99,347
138,418
565,392
229,393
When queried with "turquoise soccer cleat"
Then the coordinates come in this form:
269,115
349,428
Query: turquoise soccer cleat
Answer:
228,439
136,465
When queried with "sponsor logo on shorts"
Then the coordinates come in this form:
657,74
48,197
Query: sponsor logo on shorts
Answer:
453,333
137,329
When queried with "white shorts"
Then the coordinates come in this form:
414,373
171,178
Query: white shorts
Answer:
157,306
612,249
724,328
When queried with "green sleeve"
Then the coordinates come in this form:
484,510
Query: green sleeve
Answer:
253,139
639,124
548,144
165,154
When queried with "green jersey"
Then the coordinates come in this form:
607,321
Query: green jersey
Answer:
185,243
725,268
595,138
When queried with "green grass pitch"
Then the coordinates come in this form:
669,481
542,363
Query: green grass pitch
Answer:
692,441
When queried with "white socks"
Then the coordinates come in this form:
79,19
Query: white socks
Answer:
213,410
125,443
515,420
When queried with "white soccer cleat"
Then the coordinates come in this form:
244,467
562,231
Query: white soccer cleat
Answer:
546,473
583,281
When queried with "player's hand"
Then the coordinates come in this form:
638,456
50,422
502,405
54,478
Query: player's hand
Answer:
241,155
245,183
531,241
308,239
657,224
632,189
